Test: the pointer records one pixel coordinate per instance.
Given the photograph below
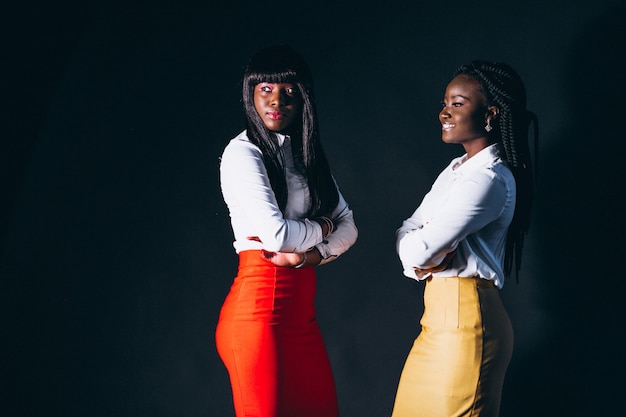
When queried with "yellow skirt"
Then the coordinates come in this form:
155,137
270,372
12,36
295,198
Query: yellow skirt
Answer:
457,364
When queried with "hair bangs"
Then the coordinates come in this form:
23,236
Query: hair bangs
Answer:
277,64
272,75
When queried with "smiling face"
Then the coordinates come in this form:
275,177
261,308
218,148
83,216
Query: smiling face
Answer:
464,115
278,105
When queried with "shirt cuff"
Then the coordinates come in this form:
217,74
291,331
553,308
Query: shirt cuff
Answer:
324,251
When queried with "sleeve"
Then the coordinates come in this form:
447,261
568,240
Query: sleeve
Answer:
344,235
245,184
472,203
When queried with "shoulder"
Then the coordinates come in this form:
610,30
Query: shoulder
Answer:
490,166
487,178
240,146
239,141
501,171
496,175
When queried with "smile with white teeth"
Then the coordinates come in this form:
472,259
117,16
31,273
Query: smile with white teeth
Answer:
447,125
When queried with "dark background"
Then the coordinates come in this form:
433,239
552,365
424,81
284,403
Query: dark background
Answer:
116,244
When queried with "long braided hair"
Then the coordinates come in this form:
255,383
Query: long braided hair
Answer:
503,88
281,64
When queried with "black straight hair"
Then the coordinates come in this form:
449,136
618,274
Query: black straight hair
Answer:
282,64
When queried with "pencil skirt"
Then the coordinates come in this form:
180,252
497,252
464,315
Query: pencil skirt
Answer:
269,340
458,362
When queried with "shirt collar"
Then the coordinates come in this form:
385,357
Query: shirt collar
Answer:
282,139
486,156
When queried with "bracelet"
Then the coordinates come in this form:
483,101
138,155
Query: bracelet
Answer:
329,223
302,262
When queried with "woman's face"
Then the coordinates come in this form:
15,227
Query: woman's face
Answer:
278,104
464,114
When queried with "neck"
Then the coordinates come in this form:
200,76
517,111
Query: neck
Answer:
475,146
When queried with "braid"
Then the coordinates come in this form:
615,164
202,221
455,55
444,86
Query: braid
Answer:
504,89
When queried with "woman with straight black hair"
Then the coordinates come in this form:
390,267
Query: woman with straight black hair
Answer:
287,216
465,237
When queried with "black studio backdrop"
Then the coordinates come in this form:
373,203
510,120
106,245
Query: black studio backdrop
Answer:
116,244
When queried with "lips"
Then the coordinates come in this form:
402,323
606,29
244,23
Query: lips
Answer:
447,126
275,115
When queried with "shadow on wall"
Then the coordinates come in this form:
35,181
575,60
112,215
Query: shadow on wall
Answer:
580,225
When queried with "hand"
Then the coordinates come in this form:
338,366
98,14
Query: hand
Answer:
421,273
280,258
283,258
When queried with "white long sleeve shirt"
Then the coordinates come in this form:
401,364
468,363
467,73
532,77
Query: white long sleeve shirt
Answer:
468,208
254,210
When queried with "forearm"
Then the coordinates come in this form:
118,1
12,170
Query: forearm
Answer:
296,260
340,240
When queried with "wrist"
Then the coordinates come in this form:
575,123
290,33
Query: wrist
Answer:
330,226
302,262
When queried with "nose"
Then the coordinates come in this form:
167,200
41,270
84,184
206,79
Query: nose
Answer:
444,113
279,98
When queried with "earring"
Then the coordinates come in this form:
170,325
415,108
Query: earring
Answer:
488,127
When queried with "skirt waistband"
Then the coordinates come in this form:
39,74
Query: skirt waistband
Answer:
480,282
262,291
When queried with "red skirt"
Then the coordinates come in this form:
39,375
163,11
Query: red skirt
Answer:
268,338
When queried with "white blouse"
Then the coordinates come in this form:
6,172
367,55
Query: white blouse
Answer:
468,208
254,210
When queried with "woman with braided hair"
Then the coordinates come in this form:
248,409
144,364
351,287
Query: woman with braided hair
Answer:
465,237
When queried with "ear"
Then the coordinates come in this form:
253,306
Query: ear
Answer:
492,112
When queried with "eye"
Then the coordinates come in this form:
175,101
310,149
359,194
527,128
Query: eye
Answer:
457,104
265,88
290,91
